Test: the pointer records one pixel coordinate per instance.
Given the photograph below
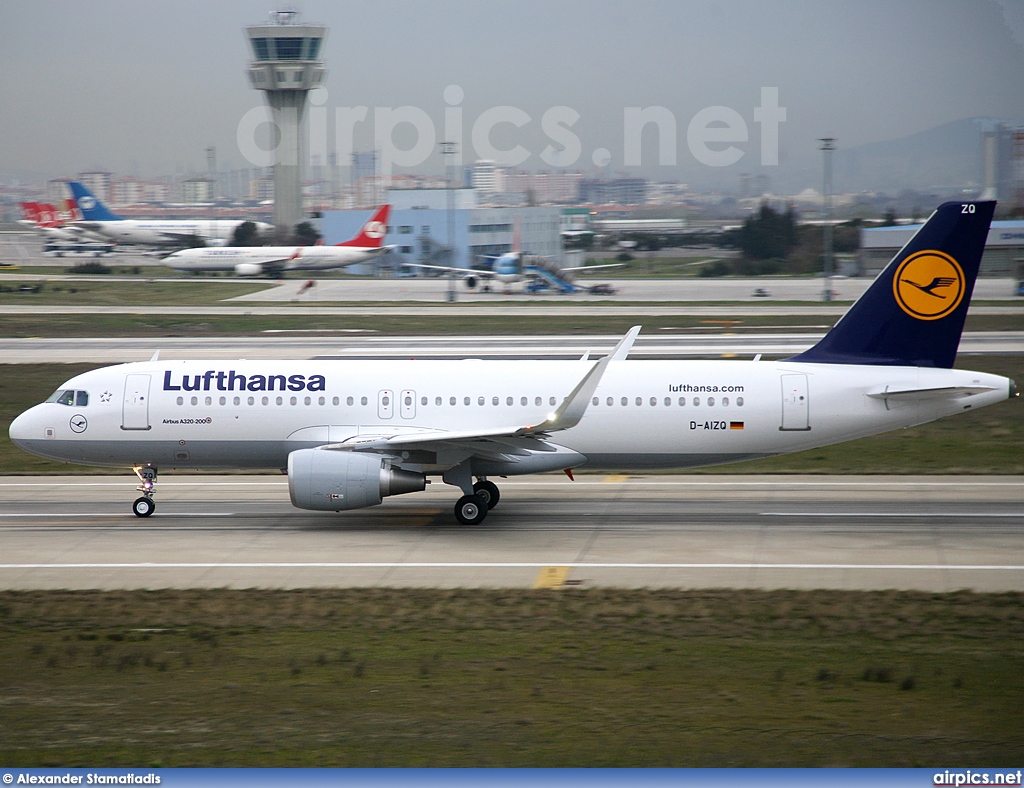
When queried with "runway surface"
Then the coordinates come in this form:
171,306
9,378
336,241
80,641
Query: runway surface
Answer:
928,533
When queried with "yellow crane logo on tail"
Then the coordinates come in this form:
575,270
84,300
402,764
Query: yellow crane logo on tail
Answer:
929,285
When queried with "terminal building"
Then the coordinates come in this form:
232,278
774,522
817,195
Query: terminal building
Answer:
419,231
1004,250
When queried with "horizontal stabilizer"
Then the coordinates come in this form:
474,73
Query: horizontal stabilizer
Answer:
936,392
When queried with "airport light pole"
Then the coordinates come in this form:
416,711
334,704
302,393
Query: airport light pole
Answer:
449,149
828,144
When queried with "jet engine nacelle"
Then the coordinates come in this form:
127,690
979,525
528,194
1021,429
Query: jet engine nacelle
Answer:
470,281
328,480
248,269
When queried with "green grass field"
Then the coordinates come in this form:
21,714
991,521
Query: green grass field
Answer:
989,441
461,321
385,677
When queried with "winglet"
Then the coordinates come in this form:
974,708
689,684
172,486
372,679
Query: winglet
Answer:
575,405
625,344
156,356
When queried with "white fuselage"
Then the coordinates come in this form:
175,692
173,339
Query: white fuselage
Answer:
166,231
285,258
644,414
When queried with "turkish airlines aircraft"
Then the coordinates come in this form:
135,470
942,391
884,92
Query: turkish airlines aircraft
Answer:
53,223
259,260
97,218
350,433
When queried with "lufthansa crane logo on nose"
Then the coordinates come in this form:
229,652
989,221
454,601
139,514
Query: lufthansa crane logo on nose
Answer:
929,285
88,203
78,423
374,229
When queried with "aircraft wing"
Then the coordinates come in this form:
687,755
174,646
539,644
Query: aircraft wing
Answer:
593,267
483,274
172,236
521,437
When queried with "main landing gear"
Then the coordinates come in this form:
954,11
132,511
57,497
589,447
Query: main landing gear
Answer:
472,509
145,506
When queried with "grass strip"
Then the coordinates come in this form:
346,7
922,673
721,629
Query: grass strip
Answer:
597,677
457,323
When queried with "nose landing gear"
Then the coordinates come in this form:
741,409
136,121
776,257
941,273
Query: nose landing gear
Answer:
145,506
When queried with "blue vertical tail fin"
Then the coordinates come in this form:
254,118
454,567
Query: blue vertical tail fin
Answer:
913,313
90,206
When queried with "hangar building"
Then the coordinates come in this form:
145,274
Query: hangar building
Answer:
1004,249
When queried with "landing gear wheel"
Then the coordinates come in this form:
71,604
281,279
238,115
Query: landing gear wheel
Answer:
488,491
470,510
143,507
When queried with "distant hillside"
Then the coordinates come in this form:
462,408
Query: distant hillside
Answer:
947,155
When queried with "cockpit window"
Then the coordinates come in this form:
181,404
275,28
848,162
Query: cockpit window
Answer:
70,397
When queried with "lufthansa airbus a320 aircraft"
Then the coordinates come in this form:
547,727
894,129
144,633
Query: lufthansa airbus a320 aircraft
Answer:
351,433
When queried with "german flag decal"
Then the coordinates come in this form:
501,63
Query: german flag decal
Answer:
735,425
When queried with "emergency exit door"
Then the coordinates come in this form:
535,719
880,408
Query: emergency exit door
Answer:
795,404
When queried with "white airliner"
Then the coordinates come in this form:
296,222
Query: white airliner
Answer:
513,267
351,433
260,260
97,218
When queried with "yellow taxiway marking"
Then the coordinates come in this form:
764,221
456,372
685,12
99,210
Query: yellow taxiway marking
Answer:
552,577
617,477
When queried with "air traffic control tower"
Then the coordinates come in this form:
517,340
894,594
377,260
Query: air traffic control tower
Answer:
286,65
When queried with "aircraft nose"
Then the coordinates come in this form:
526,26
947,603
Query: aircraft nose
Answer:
21,429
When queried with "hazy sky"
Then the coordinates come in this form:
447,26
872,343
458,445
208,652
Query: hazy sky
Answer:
144,87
